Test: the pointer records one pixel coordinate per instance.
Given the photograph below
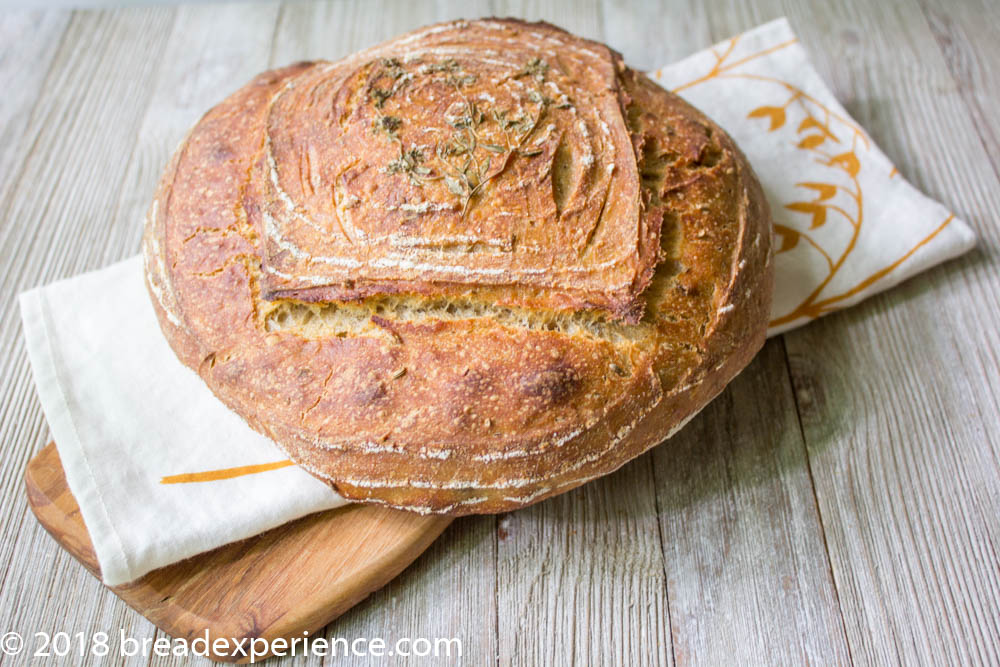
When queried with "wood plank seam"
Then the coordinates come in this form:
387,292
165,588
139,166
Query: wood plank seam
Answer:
717,35
13,184
963,91
272,51
663,552
926,573
815,496
51,249
496,583
602,23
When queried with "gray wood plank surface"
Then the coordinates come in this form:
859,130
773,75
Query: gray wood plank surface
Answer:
24,64
56,224
898,409
553,580
838,503
747,568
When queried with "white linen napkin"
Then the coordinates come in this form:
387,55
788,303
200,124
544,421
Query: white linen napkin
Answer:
847,224
125,414
128,417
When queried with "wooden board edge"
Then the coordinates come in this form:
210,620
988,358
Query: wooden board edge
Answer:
57,511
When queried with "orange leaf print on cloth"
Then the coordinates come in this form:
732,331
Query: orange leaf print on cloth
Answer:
848,161
844,227
225,473
824,190
810,123
788,236
812,141
776,114
817,211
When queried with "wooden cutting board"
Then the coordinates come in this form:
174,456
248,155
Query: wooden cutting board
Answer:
293,579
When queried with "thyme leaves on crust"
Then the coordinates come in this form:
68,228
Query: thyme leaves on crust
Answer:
536,68
467,180
454,76
446,65
466,176
387,125
467,163
391,69
410,162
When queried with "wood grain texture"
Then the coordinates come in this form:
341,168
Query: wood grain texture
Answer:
962,31
287,582
898,412
671,607
747,569
54,225
209,50
865,536
23,69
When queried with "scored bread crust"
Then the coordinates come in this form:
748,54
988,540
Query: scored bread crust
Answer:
467,395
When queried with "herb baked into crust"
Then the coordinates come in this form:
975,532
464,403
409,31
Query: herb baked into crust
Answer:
464,270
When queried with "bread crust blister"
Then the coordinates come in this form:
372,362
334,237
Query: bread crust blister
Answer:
464,270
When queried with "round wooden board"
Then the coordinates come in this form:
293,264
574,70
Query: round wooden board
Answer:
290,580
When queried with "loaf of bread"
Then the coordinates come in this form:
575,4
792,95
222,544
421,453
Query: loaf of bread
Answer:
464,270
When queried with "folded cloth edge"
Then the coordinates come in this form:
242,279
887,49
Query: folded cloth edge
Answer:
41,355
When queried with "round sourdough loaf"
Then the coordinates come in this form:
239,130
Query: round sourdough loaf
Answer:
462,271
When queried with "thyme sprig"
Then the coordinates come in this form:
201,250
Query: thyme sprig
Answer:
464,168
470,177
467,180
387,125
391,69
411,163
536,68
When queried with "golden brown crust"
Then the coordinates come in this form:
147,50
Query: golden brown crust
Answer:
470,394
451,160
